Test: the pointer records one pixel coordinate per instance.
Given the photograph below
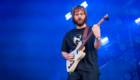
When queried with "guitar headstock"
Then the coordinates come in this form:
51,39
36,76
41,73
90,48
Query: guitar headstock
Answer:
103,19
106,17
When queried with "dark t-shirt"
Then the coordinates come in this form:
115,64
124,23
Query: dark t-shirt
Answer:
90,61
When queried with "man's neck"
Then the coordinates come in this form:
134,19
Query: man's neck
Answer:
80,27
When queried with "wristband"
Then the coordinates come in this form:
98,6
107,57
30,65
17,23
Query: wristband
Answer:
98,38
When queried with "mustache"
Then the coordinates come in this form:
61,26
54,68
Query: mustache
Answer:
80,19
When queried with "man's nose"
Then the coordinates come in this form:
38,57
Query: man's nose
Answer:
79,16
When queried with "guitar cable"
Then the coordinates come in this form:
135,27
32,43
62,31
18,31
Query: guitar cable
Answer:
61,72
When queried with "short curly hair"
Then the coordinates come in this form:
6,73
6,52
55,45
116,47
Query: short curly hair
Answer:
78,7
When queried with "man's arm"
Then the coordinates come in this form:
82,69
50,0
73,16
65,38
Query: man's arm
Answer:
64,54
97,44
96,32
68,56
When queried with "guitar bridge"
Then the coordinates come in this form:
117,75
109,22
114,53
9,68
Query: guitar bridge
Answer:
71,64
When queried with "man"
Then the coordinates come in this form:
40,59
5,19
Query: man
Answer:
87,68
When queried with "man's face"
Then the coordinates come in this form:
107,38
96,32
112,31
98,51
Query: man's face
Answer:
79,17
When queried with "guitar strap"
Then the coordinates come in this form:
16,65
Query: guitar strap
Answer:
85,33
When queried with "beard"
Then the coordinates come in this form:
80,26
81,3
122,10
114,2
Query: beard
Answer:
80,22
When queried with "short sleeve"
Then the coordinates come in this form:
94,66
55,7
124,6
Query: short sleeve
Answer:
65,47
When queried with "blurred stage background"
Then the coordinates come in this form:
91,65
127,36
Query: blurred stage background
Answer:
31,33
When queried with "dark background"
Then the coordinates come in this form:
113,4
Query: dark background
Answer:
31,34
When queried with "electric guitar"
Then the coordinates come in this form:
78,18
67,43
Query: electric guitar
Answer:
78,52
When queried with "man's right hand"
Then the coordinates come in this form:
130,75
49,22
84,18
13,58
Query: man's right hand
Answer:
70,57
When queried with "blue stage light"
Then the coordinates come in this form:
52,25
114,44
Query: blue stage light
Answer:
84,4
68,16
104,40
138,21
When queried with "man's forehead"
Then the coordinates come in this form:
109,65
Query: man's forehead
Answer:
79,10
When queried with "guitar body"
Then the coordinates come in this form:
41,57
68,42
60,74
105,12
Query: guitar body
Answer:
78,55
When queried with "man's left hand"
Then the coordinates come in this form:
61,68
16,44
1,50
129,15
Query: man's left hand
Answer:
96,31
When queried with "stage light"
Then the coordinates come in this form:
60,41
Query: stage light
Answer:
68,16
138,21
104,40
84,4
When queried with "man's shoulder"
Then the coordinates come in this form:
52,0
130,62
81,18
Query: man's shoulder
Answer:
71,31
90,27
